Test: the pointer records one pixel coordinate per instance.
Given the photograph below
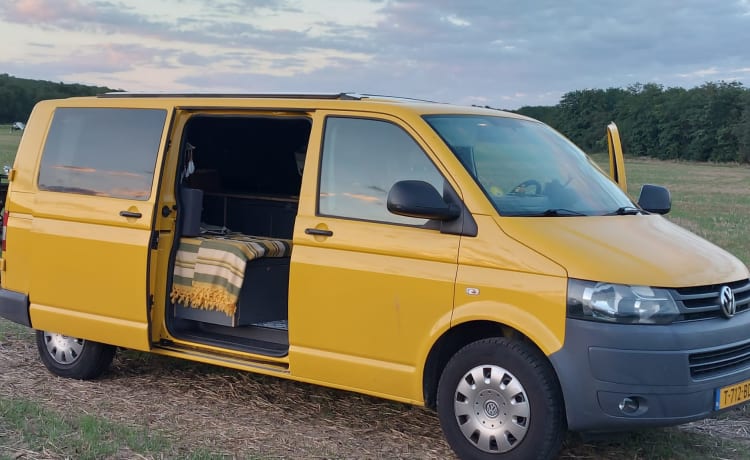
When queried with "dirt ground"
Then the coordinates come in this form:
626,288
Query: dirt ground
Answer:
244,415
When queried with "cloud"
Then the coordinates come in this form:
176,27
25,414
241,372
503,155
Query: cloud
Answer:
471,51
561,46
47,11
455,20
104,59
240,7
700,73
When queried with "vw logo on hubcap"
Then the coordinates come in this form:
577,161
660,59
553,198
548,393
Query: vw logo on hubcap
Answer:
491,409
726,300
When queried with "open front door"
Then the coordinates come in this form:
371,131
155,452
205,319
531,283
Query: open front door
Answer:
616,160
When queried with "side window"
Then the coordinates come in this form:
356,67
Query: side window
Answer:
362,159
102,152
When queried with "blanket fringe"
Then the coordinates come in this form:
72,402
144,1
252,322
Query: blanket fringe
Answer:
204,297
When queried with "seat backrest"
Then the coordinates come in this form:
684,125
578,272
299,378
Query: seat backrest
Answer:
192,206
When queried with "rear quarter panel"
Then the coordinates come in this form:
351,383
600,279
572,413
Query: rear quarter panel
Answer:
16,275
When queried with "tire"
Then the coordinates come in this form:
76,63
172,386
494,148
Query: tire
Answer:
73,358
500,399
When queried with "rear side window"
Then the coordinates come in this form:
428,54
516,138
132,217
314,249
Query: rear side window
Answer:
102,152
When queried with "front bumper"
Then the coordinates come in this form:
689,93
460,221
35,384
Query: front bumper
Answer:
660,368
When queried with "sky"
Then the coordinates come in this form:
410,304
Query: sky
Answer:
501,53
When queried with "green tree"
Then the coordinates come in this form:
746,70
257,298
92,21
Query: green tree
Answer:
741,130
707,123
19,95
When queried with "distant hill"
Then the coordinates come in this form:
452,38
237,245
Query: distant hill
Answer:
18,95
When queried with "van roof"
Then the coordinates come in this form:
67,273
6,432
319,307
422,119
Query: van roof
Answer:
420,106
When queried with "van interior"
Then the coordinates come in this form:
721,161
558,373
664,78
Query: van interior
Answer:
238,191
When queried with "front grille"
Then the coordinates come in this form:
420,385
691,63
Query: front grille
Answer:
702,302
720,361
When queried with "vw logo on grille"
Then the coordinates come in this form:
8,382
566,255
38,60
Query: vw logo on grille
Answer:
726,300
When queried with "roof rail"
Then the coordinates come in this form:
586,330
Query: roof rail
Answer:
391,98
339,96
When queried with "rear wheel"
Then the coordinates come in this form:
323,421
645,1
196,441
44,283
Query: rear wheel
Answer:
499,399
73,358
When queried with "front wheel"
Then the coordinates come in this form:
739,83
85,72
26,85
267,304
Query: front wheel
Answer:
73,358
499,399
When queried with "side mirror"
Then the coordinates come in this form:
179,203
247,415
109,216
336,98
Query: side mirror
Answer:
416,198
655,198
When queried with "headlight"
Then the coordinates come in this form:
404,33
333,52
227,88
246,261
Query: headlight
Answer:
619,303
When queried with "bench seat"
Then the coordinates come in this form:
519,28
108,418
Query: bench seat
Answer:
232,279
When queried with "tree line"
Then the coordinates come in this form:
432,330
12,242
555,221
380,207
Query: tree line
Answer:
710,122
18,95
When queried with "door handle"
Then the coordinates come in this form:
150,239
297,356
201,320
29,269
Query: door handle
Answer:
135,215
317,231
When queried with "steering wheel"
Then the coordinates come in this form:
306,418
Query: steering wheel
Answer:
521,188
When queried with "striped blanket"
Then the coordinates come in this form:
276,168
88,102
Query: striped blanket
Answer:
209,270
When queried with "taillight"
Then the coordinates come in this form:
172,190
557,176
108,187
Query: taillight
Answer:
5,227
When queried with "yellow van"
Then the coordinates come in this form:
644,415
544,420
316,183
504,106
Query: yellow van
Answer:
465,259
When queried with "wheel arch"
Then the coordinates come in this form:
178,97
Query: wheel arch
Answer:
89,360
456,338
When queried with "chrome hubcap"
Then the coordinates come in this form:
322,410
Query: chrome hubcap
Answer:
63,349
492,409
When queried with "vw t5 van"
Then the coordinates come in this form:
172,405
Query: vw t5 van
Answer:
465,259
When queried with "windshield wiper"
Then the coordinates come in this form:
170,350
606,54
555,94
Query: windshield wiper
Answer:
561,212
555,212
626,211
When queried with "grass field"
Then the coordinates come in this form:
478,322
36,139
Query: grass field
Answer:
155,407
710,200
8,145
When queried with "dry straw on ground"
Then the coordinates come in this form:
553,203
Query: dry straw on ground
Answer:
242,415
224,411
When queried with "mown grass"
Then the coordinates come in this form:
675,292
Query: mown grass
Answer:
30,429
83,436
12,330
656,444
8,145
711,200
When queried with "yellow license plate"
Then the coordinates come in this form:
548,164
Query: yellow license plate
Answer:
732,395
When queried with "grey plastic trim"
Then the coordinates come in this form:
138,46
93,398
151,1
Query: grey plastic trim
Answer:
464,225
15,307
600,364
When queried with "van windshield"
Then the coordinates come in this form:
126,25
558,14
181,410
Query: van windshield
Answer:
528,169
